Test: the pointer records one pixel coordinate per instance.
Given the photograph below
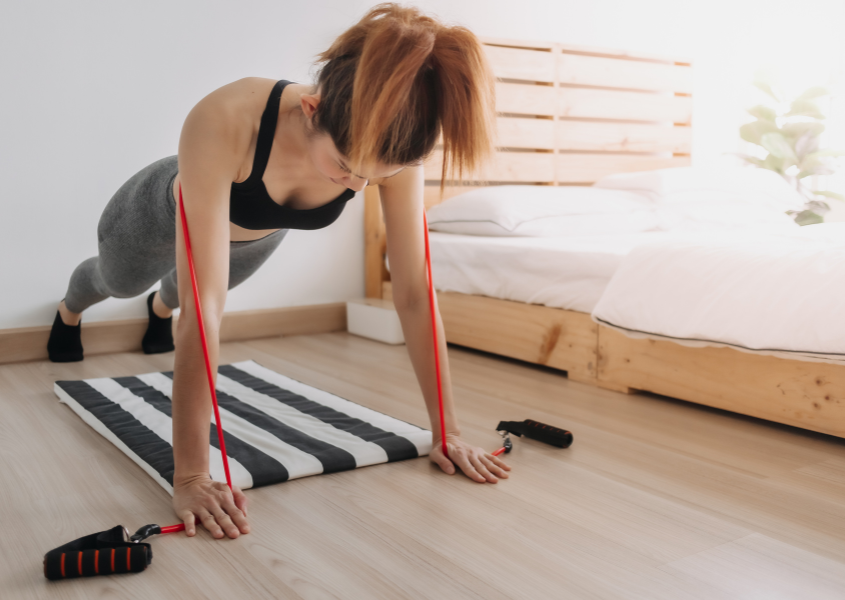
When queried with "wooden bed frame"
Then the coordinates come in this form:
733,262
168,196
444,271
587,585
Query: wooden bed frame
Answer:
568,115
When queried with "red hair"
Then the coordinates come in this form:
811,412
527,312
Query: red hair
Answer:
396,80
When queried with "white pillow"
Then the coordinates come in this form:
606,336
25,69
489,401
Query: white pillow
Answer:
542,211
750,185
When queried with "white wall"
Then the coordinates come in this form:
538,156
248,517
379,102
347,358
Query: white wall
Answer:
94,91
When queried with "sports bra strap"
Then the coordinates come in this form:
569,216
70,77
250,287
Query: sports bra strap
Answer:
266,131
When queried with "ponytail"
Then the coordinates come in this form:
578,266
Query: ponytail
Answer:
395,81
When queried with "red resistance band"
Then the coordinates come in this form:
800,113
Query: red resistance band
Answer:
209,373
434,338
204,341
436,348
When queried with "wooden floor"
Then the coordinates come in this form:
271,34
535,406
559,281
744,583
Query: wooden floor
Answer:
655,499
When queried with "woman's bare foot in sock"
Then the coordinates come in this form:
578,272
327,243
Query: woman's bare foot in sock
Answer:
161,310
69,318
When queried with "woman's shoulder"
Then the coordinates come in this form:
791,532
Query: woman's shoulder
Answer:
236,107
241,95
229,115
247,97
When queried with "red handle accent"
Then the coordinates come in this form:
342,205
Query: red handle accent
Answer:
173,528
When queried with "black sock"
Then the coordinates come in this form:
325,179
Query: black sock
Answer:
159,336
65,343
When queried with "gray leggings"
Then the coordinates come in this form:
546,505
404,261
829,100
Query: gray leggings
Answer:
137,244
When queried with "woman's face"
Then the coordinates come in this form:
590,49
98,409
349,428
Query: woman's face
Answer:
335,166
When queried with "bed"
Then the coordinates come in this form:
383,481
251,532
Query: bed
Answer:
571,116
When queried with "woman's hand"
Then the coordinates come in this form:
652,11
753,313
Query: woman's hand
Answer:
212,504
476,463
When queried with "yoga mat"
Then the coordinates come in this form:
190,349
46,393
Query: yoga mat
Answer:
275,428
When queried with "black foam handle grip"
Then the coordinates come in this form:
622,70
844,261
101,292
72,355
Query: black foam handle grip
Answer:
103,561
547,434
538,431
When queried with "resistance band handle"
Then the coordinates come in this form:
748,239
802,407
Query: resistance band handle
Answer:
102,553
538,431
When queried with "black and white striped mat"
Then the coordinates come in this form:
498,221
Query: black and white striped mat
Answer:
275,428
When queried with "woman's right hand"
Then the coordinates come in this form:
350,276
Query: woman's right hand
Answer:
211,503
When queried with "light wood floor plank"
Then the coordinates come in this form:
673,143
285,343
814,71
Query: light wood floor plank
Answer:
656,499
760,567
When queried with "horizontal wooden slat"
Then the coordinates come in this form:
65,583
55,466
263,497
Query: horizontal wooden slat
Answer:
512,43
516,132
532,99
589,168
514,63
613,104
504,166
620,73
571,48
519,132
525,99
526,167
621,137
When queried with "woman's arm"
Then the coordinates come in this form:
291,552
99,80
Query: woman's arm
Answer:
402,204
210,148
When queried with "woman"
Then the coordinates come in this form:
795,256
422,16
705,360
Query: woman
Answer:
249,169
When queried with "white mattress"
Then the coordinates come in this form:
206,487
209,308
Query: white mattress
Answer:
780,294
562,272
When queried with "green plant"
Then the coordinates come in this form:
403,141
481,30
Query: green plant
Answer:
790,132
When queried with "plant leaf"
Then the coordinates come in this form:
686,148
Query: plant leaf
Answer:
765,87
806,144
820,169
779,146
814,92
820,163
818,206
834,195
763,112
754,131
805,108
774,163
817,170
808,217
796,130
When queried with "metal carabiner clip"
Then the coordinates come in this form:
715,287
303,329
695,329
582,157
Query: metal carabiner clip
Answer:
144,532
507,444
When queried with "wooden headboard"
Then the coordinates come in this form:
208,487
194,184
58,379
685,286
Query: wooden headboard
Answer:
567,115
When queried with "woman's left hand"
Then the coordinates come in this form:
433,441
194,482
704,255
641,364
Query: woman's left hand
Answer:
476,463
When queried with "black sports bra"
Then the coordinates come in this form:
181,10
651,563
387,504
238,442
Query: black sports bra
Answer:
251,207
